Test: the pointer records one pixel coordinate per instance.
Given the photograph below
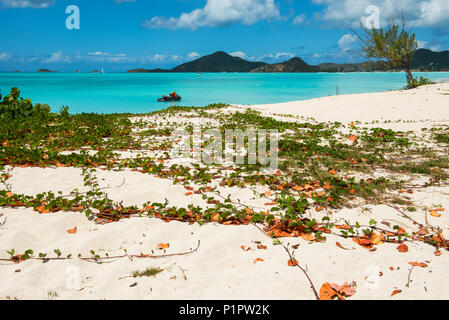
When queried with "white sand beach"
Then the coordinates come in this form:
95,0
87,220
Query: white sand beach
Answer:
220,268
425,103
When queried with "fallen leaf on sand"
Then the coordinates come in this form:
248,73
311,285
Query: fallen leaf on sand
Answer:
188,193
377,239
439,239
308,237
435,214
366,243
72,231
163,246
327,186
292,262
326,292
42,209
340,246
329,292
244,248
258,260
423,231
353,138
268,193
418,264
17,258
403,248
438,253
395,292
262,247
346,289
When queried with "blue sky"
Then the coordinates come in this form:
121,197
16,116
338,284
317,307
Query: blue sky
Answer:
120,34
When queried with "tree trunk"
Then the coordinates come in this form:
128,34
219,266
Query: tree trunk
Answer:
409,76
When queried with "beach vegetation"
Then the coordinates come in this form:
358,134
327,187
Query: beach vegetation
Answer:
322,167
13,106
148,272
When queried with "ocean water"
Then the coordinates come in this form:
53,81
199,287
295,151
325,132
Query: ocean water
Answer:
138,93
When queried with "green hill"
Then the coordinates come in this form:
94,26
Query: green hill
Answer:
432,61
341,67
218,62
292,65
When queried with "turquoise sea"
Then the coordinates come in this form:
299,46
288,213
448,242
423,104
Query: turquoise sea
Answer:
137,93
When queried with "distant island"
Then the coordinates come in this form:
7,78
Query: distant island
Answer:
424,60
45,70
141,70
292,65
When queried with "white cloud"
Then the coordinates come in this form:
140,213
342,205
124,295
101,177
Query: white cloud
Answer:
239,54
98,53
100,56
218,13
422,44
345,43
433,45
39,4
193,56
4,56
284,55
436,47
57,57
163,58
278,57
176,57
299,19
419,13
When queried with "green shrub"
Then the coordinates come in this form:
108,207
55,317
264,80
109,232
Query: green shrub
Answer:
13,107
415,83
